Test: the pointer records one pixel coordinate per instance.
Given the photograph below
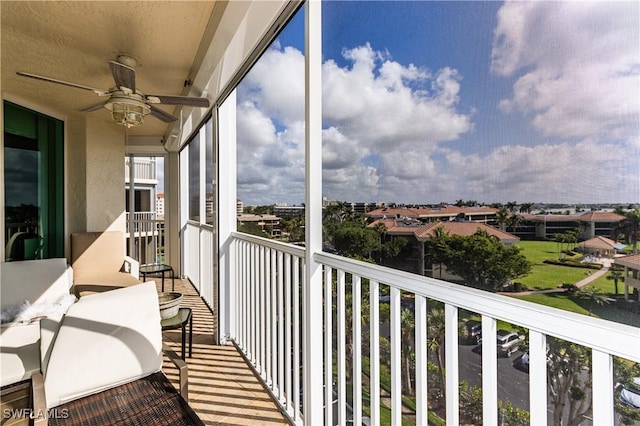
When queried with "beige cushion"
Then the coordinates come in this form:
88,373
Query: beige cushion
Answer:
105,340
96,253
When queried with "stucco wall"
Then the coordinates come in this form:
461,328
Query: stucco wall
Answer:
75,177
105,196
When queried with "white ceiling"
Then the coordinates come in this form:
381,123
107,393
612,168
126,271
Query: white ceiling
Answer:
73,41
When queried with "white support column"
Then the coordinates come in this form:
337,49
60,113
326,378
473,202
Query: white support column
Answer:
312,293
172,211
227,198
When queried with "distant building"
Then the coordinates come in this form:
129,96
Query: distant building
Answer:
631,265
160,205
267,222
239,207
443,214
288,211
601,247
545,226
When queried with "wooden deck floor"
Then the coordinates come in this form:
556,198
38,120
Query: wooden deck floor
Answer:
222,388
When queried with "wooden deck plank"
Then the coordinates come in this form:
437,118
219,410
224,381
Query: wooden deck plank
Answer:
222,388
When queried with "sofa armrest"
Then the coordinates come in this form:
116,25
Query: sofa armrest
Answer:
183,371
39,400
132,266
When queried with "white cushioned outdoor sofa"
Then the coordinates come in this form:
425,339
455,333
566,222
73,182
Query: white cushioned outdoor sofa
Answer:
30,290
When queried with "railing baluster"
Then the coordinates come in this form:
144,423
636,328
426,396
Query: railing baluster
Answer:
451,362
422,360
374,351
357,349
297,328
281,323
288,332
489,372
537,376
396,358
342,352
262,329
602,364
273,327
328,345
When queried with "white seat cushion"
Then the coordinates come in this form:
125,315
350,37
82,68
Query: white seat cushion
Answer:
105,340
34,280
19,352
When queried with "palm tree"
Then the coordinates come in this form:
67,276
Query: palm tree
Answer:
593,295
408,353
616,276
630,228
526,207
435,340
502,217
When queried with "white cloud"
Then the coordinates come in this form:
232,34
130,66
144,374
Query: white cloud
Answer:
392,130
576,64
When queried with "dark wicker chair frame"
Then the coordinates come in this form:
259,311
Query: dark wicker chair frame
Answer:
151,400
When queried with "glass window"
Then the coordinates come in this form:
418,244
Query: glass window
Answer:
270,135
210,174
33,185
194,179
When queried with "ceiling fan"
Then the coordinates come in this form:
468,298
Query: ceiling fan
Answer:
128,105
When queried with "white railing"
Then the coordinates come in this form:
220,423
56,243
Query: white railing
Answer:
197,259
144,169
147,232
268,311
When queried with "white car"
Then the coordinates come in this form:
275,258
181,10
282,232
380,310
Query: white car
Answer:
508,342
630,394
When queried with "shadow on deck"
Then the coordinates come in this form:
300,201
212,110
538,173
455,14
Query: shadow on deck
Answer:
222,388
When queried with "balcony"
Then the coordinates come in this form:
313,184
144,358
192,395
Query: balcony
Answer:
269,314
145,237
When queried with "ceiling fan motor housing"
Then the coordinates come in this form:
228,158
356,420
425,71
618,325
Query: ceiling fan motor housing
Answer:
127,110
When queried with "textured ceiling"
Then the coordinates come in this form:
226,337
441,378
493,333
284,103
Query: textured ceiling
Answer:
73,41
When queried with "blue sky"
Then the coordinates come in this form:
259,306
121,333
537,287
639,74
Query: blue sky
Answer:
429,101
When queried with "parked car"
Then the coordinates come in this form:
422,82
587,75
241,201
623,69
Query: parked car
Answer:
630,393
508,342
473,332
522,363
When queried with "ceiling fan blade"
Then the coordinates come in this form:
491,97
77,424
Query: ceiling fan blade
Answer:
161,115
123,75
179,100
93,107
65,83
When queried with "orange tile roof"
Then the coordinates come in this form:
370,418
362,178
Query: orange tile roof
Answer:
584,217
427,231
464,229
599,243
631,261
450,211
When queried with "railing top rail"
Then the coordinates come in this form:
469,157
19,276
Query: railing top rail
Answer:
606,336
276,245
199,225
603,335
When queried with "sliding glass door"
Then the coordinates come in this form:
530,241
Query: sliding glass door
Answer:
33,185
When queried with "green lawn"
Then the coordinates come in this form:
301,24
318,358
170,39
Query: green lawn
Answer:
544,276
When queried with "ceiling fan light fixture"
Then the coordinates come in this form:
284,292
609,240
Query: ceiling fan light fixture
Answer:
126,111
